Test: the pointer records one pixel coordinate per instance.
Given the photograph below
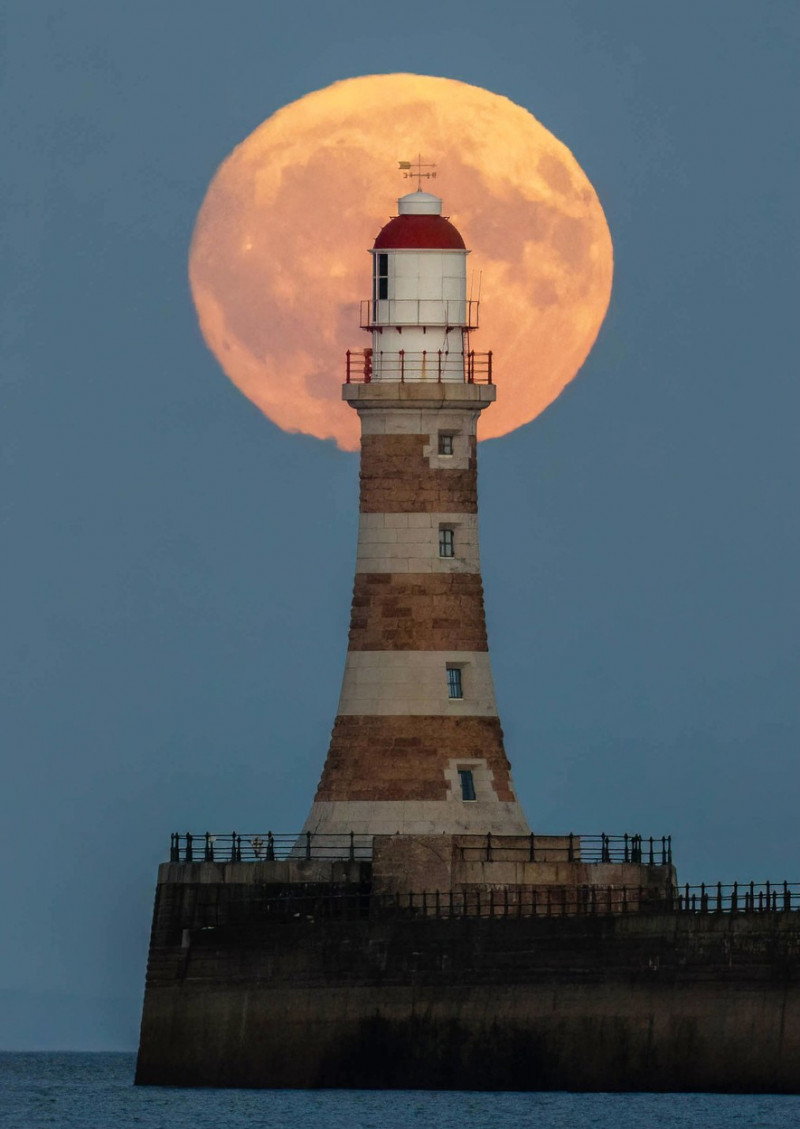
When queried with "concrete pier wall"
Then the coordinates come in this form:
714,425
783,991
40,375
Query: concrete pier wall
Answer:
645,1001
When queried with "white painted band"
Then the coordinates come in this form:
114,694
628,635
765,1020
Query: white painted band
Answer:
415,683
407,543
415,817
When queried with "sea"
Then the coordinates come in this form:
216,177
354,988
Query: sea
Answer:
96,1091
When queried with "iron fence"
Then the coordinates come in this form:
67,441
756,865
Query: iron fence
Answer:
738,897
646,850
515,902
269,846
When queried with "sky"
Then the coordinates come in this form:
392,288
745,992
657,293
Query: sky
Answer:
175,572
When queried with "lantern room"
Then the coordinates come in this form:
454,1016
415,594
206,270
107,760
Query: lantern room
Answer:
419,314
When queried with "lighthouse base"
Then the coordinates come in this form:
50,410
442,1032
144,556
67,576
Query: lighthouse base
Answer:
560,975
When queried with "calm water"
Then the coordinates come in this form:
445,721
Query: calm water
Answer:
82,1091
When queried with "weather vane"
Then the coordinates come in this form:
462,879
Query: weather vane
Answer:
414,169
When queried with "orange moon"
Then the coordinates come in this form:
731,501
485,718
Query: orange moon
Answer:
278,258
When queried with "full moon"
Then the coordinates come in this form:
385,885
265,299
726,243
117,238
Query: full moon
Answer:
278,258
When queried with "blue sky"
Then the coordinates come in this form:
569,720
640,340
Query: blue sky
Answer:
176,572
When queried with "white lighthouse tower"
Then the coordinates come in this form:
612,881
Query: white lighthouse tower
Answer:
417,746
419,314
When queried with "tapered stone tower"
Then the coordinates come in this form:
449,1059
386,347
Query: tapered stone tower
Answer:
417,746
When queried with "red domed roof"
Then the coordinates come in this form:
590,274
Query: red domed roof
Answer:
423,231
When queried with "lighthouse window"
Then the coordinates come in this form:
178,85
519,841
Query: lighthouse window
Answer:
447,546
445,443
454,686
381,277
467,784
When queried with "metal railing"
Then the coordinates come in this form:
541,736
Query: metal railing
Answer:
738,897
269,846
365,365
645,850
461,312
508,902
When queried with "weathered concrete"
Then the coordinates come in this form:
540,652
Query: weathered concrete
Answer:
639,1002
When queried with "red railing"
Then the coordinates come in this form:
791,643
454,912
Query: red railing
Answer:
365,365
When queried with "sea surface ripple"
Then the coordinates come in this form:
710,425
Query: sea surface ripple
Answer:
96,1091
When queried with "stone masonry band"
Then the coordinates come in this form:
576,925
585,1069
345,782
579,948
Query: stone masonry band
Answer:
397,477
418,612
406,758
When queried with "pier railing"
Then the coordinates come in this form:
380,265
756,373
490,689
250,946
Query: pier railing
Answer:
519,902
738,897
646,850
269,846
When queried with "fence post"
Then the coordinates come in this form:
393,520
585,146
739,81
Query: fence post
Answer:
347,381
352,847
787,897
488,846
719,897
308,844
402,366
626,857
669,849
188,855
270,847
439,366
605,853
735,898
174,849
490,366
532,849
571,848
652,856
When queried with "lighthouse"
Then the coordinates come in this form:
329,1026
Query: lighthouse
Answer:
417,747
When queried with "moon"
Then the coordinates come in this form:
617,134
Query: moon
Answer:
278,259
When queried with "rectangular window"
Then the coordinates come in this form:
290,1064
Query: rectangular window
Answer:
467,784
454,687
447,544
445,443
381,277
